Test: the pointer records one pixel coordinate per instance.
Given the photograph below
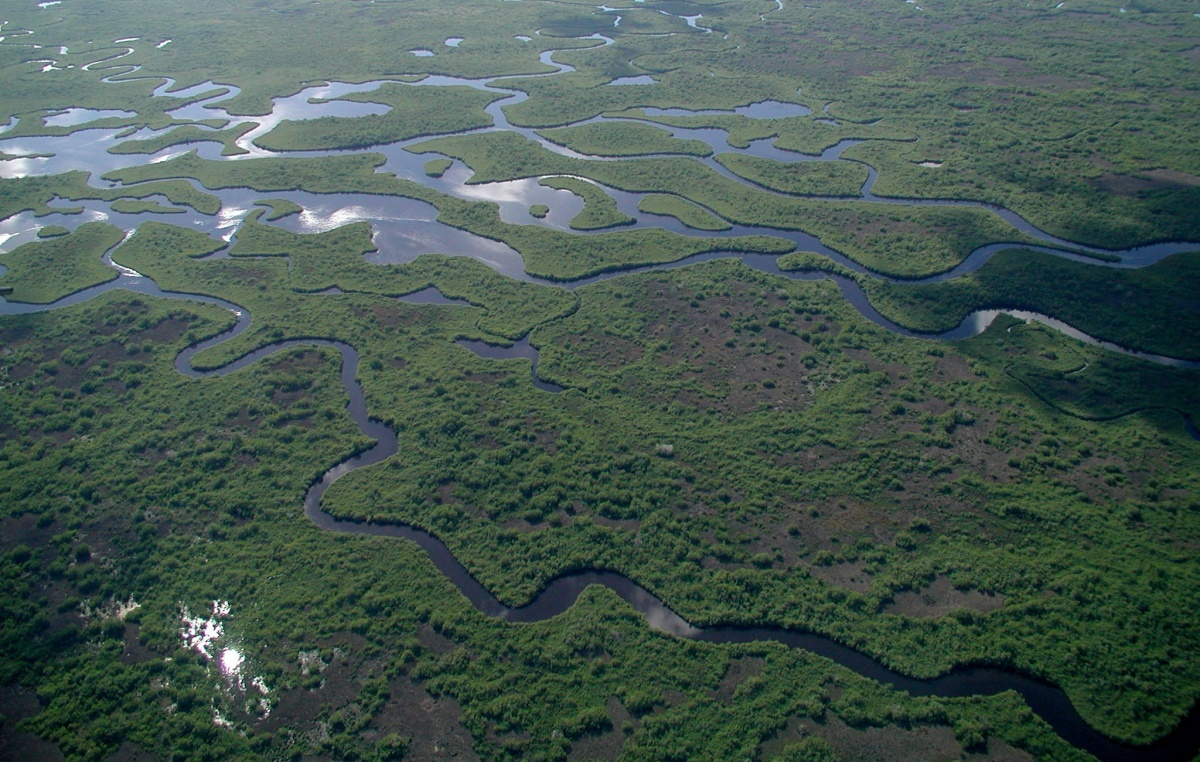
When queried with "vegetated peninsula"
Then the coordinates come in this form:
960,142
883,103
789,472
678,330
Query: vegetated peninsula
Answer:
658,380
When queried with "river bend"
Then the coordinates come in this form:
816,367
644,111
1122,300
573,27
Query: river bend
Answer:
560,593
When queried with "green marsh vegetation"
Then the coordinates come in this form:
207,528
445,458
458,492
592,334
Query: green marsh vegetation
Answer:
907,241
715,391
817,178
548,253
414,111
437,167
46,270
623,139
306,264
143,206
216,518
33,194
1096,167
278,208
584,94
703,562
684,211
599,210
1090,157
800,134
343,41
1155,309
617,375
187,133
746,447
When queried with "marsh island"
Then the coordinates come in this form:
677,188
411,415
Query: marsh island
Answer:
655,380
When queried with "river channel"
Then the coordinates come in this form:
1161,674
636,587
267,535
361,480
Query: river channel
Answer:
407,228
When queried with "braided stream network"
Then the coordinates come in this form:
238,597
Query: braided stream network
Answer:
1048,701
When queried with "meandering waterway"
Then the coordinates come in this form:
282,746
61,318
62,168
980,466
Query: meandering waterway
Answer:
406,228
87,149
1048,701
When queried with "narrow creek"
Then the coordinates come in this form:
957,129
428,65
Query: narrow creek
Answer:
87,149
560,593
407,228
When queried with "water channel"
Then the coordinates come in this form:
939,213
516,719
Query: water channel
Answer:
407,228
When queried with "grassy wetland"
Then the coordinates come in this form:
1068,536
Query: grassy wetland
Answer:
313,410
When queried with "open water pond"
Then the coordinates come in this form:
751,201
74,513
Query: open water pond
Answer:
760,110
519,350
19,229
641,79
405,228
310,103
515,197
432,295
85,149
74,116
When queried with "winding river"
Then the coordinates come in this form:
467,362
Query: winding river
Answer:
1048,701
407,228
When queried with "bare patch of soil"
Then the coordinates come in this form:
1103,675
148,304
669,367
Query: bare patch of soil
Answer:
435,641
299,708
130,753
297,360
628,525
1128,185
955,368
167,330
1192,54
135,652
737,672
850,519
242,419
18,703
940,598
931,744
793,732
484,379
606,745
24,530
434,724
845,575
1002,71
1173,177
730,356
894,371
393,316
889,744
609,352
834,526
